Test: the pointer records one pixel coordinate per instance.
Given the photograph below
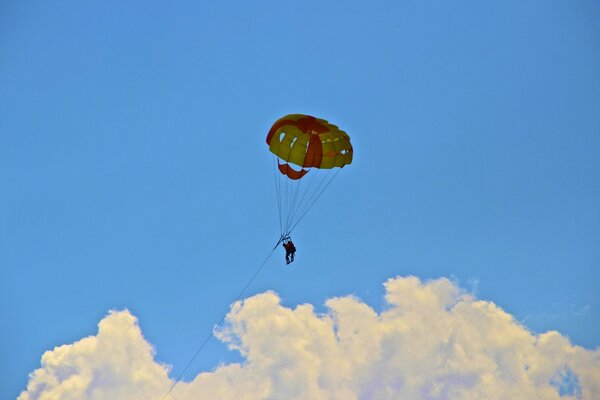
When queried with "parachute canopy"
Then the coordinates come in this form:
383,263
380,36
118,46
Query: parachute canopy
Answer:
312,144
308,142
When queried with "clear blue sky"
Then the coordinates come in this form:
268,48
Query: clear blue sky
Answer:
134,173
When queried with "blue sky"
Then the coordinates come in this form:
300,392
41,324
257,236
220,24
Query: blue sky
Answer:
134,171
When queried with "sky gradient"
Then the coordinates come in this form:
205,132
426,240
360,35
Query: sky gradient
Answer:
134,173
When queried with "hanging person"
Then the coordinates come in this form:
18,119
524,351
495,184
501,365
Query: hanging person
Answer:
290,250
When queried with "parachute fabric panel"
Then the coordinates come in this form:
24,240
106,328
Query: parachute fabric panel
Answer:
291,173
308,142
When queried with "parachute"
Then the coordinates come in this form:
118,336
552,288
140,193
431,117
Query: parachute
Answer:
317,148
306,152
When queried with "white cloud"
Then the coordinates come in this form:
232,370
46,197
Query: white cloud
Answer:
117,363
433,341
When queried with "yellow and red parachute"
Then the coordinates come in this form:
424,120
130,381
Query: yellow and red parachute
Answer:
308,143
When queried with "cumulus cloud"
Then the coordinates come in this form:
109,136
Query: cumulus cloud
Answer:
117,363
433,341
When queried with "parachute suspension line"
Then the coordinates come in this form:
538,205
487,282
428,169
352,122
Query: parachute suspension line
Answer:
294,203
289,190
310,195
297,205
242,292
278,191
282,195
308,190
315,199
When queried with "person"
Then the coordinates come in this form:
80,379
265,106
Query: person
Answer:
290,250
